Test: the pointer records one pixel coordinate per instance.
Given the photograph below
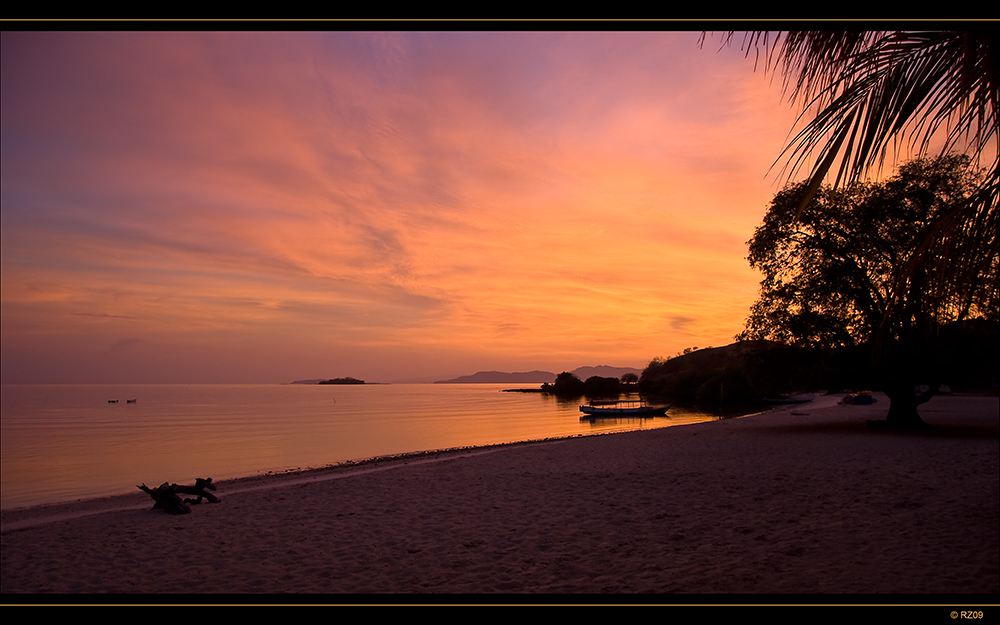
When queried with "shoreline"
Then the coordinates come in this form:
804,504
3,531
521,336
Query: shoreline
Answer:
21,517
799,500
66,469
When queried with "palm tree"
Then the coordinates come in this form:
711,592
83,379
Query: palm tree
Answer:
875,90
866,94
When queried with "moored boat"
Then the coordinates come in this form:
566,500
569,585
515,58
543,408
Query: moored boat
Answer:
623,408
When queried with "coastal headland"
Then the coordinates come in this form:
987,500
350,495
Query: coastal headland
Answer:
801,500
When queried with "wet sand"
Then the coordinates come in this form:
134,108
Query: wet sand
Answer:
801,501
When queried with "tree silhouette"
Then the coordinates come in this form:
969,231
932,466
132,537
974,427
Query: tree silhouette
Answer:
865,94
599,386
567,385
833,270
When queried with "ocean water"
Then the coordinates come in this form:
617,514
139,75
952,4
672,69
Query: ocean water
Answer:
67,442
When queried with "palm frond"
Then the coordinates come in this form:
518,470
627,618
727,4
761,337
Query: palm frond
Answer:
867,95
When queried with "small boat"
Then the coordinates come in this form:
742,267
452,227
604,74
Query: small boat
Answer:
623,408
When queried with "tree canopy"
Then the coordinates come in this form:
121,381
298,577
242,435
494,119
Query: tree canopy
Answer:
832,275
839,273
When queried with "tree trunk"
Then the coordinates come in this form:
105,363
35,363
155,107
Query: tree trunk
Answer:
904,364
903,403
903,413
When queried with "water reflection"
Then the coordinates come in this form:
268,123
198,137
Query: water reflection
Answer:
62,442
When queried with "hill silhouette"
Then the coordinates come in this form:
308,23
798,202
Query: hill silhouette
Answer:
529,377
488,377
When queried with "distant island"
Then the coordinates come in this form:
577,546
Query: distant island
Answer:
331,381
528,377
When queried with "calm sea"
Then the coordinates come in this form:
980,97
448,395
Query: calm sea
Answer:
66,442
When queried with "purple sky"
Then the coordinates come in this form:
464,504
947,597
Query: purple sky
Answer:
264,207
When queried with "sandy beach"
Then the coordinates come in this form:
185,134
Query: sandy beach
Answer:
802,500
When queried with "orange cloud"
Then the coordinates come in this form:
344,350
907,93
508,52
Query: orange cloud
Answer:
527,199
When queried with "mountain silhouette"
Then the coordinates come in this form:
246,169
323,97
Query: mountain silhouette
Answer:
528,377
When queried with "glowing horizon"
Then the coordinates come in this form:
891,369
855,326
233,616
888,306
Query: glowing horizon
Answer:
265,207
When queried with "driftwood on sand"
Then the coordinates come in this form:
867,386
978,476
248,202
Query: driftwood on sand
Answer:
167,499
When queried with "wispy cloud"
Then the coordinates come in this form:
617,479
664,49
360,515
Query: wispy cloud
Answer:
466,195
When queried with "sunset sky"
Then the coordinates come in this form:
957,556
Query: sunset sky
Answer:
395,206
